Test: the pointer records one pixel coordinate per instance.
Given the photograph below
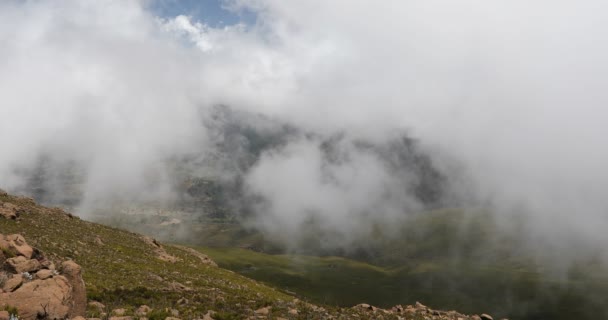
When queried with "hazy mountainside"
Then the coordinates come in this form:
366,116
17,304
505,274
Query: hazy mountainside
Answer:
124,271
210,181
455,259
384,252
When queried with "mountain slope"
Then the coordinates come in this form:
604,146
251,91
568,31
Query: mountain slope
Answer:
125,270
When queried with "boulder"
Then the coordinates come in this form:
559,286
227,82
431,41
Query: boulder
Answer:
9,211
20,264
45,296
40,298
15,244
13,283
73,273
44,274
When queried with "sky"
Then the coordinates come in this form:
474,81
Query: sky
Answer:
511,93
215,13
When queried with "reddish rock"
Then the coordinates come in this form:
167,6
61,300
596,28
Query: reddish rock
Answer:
20,264
47,296
16,245
44,274
40,298
142,311
9,211
73,273
13,283
263,311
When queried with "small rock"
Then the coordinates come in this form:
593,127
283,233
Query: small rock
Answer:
486,317
78,318
142,311
21,264
97,305
119,312
263,311
44,274
18,245
293,311
209,315
13,283
420,306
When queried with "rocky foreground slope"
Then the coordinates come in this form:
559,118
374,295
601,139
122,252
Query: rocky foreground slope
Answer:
53,263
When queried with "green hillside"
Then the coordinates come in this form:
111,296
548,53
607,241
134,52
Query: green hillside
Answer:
125,270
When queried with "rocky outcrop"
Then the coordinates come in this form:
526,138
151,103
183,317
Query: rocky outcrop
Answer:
202,257
159,250
30,283
9,210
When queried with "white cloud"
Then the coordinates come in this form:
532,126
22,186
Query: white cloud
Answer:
512,90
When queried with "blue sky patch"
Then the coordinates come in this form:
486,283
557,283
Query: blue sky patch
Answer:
209,12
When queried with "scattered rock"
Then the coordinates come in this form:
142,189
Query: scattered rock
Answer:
209,315
263,311
97,306
202,257
119,312
159,250
365,306
10,211
142,311
176,286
